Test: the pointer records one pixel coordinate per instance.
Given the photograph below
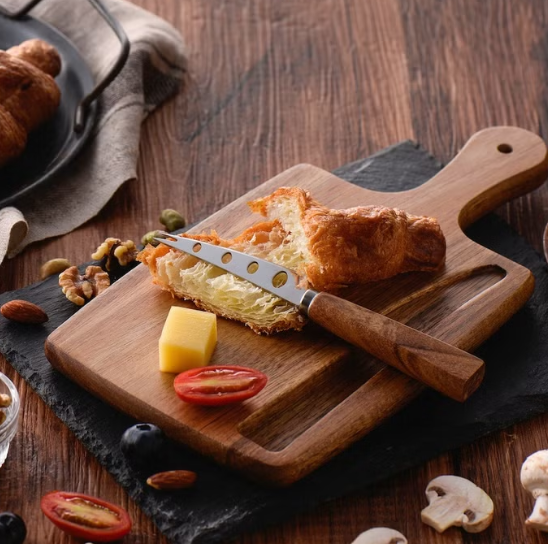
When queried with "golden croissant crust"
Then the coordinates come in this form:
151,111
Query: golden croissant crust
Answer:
328,249
356,245
29,95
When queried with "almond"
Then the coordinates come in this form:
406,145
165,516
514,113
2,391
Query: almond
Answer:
23,311
172,479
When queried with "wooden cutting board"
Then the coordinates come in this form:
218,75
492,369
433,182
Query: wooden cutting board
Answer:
322,395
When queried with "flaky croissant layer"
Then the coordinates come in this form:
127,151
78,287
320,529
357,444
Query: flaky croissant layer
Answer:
328,249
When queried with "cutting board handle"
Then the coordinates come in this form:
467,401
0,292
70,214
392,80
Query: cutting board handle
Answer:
499,164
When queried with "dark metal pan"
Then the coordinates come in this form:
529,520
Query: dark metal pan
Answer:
54,145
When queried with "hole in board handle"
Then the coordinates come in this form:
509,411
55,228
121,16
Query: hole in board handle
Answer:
226,258
505,148
196,247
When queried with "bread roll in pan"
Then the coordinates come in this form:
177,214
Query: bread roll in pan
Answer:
56,143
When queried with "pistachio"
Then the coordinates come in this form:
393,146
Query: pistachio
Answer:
54,266
2,417
172,220
5,400
148,238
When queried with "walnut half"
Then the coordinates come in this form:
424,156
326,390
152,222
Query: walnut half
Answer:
78,289
113,252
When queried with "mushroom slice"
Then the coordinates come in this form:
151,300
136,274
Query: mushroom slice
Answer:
380,535
534,478
456,501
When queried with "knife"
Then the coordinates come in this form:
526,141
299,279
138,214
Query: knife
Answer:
441,366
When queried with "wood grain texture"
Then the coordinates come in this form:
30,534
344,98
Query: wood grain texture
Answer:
446,369
278,83
495,164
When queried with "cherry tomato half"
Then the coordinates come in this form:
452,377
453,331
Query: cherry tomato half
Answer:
86,517
218,385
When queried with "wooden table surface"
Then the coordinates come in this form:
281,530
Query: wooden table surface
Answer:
272,84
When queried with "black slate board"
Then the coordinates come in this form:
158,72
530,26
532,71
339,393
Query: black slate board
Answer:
223,503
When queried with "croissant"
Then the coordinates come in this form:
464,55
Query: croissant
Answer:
328,249
29,95
337,248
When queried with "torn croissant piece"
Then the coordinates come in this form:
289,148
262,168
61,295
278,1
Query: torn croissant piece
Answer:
337,248
327,249
215,290
29,95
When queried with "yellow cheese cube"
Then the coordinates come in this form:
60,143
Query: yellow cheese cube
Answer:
188,339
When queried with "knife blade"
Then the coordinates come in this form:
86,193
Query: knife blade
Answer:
441,366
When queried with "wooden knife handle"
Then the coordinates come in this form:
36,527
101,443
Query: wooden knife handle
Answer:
443,367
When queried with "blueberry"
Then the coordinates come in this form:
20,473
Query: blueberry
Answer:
143,446
12,529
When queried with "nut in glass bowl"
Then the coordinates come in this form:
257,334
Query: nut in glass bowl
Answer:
8,425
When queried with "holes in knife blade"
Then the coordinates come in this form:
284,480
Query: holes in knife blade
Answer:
505,148
252,267
279,279
196,247
226,258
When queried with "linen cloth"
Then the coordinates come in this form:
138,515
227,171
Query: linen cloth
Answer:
153,72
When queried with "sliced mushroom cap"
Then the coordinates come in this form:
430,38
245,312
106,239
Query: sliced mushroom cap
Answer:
380,535
534,478
456,501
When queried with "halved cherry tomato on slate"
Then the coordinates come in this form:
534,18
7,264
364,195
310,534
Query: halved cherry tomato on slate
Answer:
218,385
86,517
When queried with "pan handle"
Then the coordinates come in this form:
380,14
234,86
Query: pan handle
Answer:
21,12
82,110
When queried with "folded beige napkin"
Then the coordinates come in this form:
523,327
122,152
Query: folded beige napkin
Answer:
153,72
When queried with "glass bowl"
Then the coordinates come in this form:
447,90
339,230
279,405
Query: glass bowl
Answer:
9,427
